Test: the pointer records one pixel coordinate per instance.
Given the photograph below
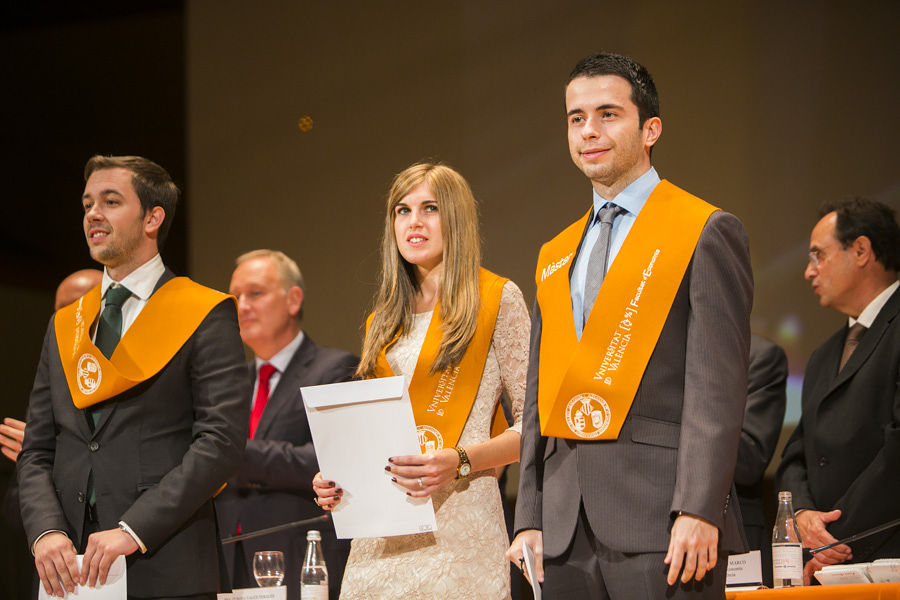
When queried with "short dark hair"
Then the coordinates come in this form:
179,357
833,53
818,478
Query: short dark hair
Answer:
152,183
643,90
875,220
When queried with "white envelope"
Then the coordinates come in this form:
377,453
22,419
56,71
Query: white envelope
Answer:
355,427
116,587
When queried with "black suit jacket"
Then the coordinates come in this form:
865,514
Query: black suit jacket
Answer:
678,446
845,452
159,453
274,483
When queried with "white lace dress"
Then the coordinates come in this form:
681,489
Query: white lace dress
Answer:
465,557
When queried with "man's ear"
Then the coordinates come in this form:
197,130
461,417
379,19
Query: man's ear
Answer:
295,300
862,250
651,131
153,219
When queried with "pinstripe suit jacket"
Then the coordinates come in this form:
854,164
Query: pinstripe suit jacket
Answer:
678,446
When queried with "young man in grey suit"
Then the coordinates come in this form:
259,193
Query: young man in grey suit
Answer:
139,409
842,463
274,483
638,370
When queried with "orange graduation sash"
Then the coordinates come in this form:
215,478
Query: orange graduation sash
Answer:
441,402
166,322
586,387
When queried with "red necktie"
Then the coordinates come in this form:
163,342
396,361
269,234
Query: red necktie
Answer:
262,396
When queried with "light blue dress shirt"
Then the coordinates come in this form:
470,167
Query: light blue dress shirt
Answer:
632,199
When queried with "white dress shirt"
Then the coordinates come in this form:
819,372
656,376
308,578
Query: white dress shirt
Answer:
867,316
280,361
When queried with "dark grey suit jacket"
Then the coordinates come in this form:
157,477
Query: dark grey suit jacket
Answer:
763,418
845,453
159,453
678,445
274,483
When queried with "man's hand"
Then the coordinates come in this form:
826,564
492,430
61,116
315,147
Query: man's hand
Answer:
535,540
102,549
12,432
810,568
811,524
54,559
692,545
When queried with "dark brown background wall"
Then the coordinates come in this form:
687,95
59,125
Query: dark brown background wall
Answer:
767,112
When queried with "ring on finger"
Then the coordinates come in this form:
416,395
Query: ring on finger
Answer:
316,500
421,483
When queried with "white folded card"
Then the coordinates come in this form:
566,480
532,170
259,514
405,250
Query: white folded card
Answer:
355,427
744,572
116,587
884,570
843,574
276,592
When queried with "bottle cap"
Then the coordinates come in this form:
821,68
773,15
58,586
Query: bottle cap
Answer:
313,536
782,496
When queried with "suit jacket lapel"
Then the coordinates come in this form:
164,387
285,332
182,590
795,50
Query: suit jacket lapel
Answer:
868,343
286,391
108,408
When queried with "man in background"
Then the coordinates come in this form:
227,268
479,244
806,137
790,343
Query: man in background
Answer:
274,483
842,463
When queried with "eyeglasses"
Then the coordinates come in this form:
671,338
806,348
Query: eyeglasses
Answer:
814,257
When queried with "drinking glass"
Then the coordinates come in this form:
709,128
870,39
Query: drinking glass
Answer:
268,568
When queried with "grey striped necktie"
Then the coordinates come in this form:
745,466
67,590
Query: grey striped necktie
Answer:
599,256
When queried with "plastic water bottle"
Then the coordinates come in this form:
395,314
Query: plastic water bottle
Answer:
787,548
314,576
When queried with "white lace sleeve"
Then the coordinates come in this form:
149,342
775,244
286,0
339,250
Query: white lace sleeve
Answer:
510,341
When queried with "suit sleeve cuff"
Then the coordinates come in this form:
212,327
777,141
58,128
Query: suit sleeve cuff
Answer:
124,527
37,539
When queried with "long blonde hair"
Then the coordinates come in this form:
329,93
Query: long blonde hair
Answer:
394,303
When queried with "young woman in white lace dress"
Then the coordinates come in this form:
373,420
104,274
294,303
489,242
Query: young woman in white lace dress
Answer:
431,281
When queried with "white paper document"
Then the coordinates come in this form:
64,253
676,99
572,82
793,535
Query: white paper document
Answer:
278,592
355,427
531,570
116,587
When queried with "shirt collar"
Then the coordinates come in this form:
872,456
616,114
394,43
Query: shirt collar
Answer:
867,316
139,282
633,197
283,357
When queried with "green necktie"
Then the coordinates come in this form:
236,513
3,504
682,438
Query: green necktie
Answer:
109,328
109,331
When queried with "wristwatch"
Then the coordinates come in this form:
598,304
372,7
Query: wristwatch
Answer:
464,467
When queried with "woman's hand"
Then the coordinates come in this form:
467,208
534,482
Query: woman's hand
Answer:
328,494
424,474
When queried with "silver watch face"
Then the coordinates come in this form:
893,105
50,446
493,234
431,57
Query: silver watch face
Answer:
464,470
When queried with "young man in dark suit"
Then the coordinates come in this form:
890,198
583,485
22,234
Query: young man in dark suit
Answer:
842,463
638,367
274,483
139,409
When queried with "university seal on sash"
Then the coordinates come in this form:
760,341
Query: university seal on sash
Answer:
587,415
